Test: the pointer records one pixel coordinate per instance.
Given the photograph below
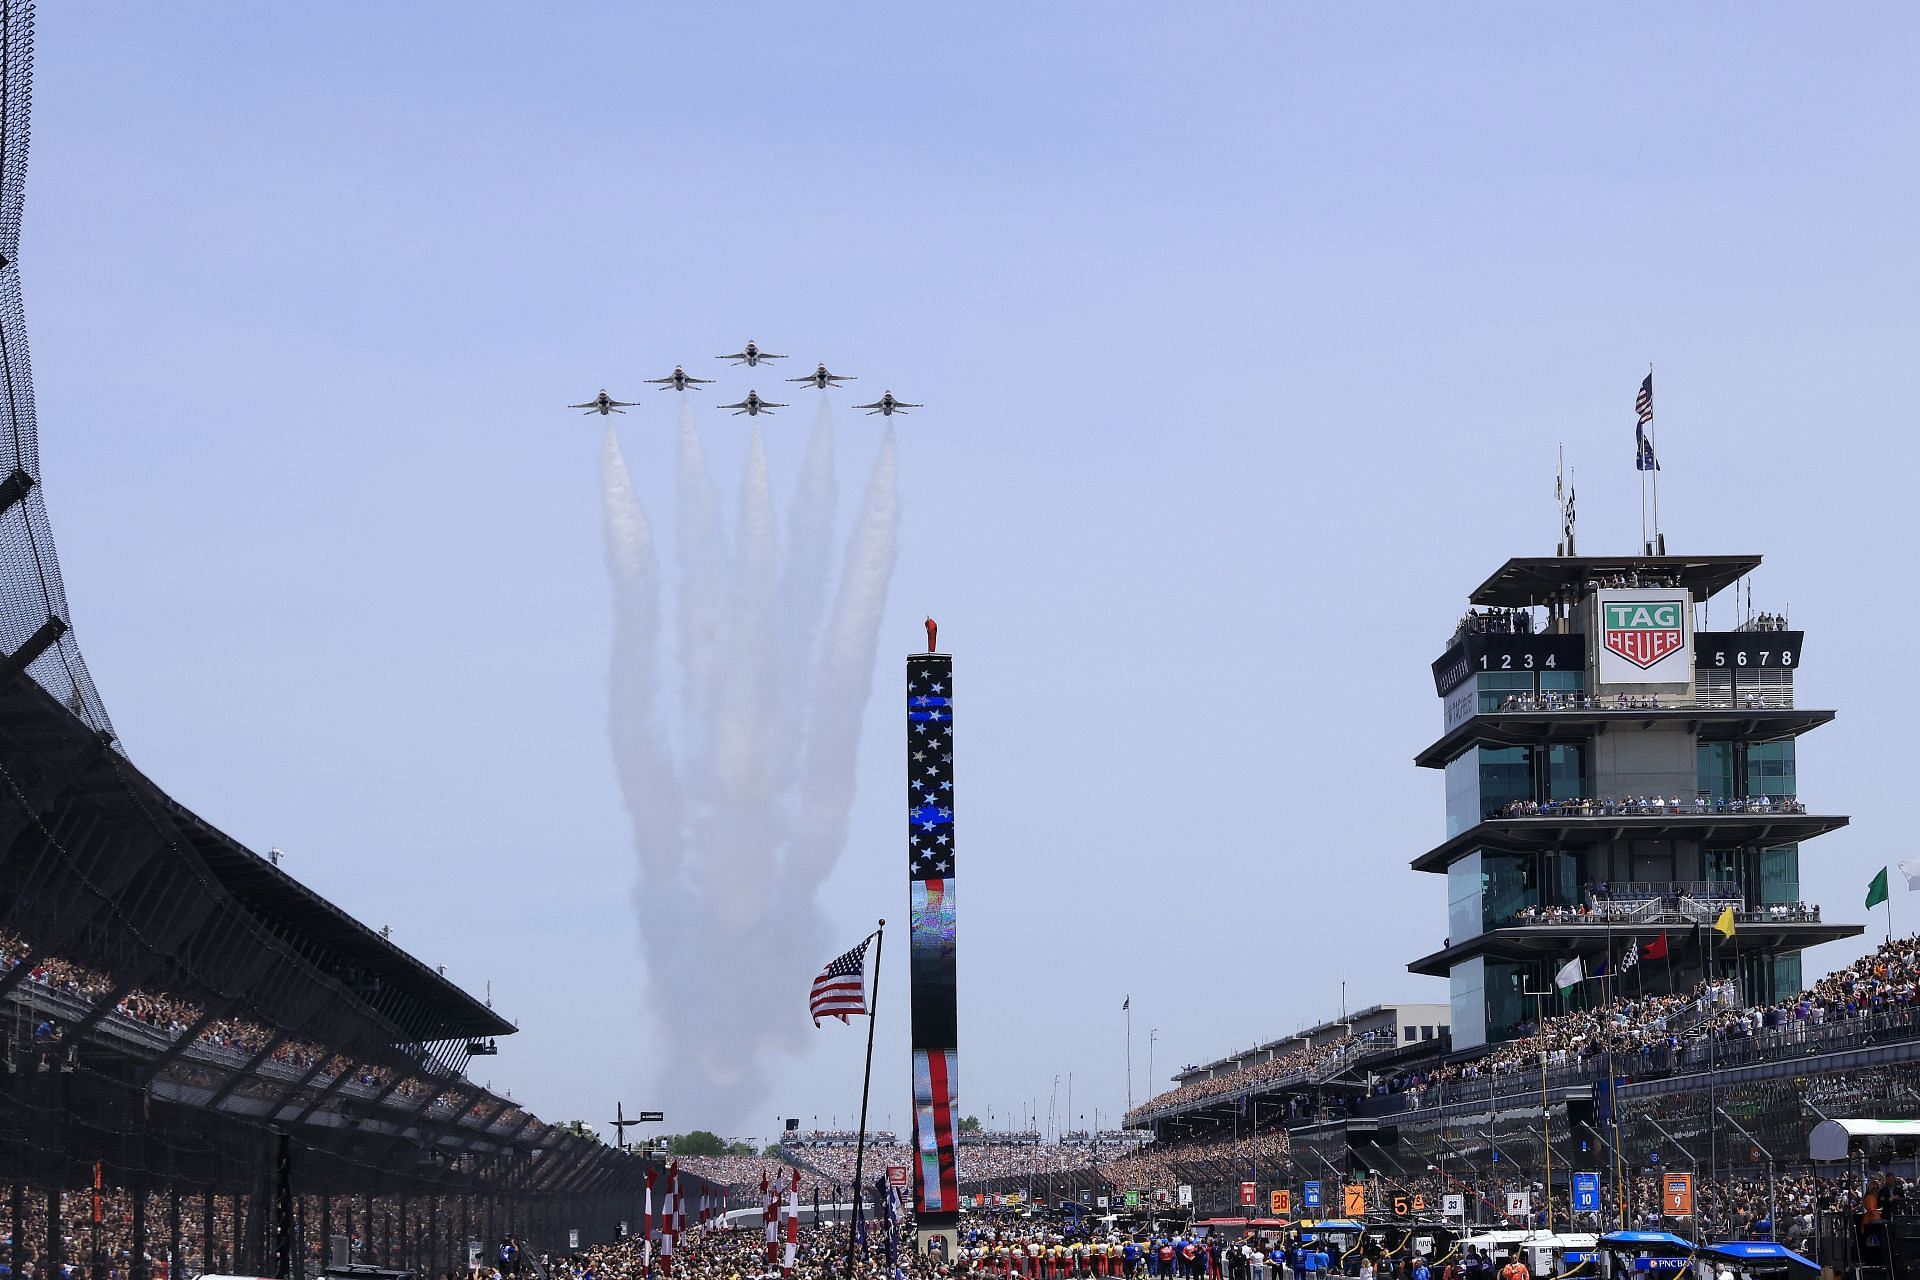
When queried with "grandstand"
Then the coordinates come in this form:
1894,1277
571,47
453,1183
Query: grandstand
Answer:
207,1066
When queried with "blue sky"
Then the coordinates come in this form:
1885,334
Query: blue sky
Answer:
1248,334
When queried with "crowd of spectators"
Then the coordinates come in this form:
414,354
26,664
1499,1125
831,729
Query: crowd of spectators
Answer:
1303,1062
1643,1032
1643,908
1645,806
1659,1032
233,1039
1499,622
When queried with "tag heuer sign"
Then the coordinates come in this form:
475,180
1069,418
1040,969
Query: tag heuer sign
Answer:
1643,631
1645,636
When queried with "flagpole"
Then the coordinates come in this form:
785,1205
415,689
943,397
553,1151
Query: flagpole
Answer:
1127,1008
1654,446
866,1087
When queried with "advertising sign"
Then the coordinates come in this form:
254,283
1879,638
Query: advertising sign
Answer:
1310,1195
896,1175
1519,1203
1454,1205
1353,1199
1676,1195
1280,1203
1645,636
1586,1193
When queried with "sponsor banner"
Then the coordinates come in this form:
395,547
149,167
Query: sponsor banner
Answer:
1519,1203
1310,1195
1644,635
1280,1203
1249,1195
1185,1194
1353,1199
896,1175
1676,1195
1586,1193
1454,1205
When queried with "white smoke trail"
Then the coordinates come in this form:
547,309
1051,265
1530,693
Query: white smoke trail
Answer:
803,586
843,680
647,780
712,819
738,833
703,570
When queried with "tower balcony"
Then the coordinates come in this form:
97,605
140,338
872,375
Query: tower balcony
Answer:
1763,821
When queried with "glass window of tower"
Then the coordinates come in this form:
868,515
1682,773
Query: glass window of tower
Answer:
1466,991
1508,884
1496,687
1567,771
1463,898
1786,974
1716,770
1780,874
1563,681
1506,775
1770,770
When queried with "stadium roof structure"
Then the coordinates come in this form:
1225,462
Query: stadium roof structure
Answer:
1550,832
1542,727
1529,580
330,936
57,762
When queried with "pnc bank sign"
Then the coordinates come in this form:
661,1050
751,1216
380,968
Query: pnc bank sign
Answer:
1643,631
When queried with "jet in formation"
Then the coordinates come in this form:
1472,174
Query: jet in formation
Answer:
750,355
822,379
604,404
678,380
888,405
753,404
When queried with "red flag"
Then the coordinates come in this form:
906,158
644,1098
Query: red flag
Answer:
1657,949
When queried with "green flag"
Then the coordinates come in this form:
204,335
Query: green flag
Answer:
1877,891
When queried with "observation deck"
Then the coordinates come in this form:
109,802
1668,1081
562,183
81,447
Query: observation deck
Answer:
1526,722
1585,823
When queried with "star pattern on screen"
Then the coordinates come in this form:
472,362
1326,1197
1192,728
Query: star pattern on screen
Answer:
930,840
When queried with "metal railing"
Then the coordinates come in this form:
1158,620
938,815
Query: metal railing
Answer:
1774,699
1648,807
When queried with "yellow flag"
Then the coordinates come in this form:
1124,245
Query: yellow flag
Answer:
1724,925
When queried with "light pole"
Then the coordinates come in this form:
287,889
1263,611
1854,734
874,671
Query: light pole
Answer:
1539,995
1151,1037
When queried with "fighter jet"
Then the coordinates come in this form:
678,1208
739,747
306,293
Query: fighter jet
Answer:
604,404
822,379
750,355
753,404
678,380
888,405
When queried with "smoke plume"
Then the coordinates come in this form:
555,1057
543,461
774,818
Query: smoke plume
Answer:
740,804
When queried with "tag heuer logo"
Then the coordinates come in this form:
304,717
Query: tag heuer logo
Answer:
1644,631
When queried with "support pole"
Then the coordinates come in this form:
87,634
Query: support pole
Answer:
866,1089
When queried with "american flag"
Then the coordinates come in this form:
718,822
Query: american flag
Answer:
841,988
1643,403
1643,458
